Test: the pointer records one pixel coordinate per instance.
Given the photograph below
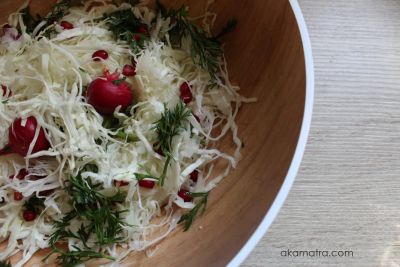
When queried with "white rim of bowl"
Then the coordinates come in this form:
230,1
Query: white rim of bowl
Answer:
301,144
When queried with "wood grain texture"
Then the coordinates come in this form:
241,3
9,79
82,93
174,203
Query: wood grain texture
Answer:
347,194
265,57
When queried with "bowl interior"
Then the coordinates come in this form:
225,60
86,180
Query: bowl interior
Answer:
265,57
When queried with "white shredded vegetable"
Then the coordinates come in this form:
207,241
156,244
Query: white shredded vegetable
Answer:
48,76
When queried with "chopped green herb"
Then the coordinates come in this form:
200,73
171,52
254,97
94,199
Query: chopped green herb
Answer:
5,264
170,125
142,176
119,81
121,134
82,70
34,204
76,257
112,123
189,217
124,25
58,12
205,50
99,215
29,21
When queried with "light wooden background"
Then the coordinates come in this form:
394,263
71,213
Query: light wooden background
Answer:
347,193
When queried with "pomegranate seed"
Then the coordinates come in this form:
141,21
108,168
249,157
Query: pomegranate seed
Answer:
194,175
14,35
129,70
6,26
21,175
186,94
100,54
66,25
46,193
136,37
29,215
197,118
18,196
143,29
147,184
4,88
158,150
120,183
183,194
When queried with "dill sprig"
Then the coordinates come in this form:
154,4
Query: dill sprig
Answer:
189,217
112,123
98,215
5,264
29,21
58,12
78,256
167,127
125,27
142,176
205,50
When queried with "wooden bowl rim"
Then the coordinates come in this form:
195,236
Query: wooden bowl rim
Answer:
300,148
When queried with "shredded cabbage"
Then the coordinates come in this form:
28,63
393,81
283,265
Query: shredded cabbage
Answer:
48,76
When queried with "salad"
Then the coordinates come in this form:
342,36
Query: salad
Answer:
110,119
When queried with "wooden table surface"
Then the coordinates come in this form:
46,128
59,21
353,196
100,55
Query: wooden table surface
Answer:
347,193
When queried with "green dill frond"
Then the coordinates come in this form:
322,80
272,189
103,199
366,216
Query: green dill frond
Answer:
205,50
5,264
77,256
189,217
98,215
58,11
124,25
170,125
34,204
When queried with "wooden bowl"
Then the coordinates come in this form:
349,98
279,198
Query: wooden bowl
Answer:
269,60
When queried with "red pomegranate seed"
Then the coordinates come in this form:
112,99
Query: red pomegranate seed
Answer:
194,175
46,193
129,70
29,215
6,26
186,94
143,29
100,54
197,118
120,183
18,196
184,195
158,150
147,184
5,90
21,174
66,25
136,37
